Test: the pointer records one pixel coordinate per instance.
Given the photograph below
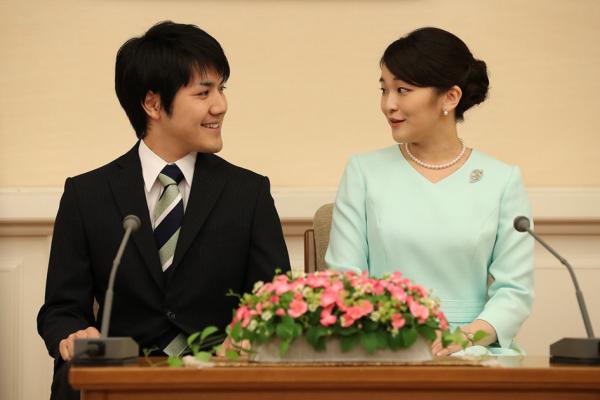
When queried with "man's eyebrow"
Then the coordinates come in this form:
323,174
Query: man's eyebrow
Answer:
207,84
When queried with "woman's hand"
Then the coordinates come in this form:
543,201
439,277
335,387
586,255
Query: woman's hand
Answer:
478,325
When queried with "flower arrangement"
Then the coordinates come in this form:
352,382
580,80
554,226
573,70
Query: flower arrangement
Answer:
386,313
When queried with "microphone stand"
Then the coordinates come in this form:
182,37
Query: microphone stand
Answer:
568,350
109,350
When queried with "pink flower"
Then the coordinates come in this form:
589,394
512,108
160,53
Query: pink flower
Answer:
274,299
396,277
366,307
297,308
420,290
354,312
244,315
397,293
379,287
327,318
347,320
443,321
398,321
282,287
340,301
266,288
280,312
316,281
328,297
359,311
419,311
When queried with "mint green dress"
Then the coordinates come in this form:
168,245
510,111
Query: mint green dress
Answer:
449,236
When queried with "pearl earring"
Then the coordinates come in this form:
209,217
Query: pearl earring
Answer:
445,112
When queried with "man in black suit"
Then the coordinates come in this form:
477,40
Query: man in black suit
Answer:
207,226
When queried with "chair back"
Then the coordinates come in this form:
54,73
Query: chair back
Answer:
316,240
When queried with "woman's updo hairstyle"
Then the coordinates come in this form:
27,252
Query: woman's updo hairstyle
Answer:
433,57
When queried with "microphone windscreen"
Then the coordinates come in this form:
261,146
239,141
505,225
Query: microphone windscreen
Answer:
131,222
521,224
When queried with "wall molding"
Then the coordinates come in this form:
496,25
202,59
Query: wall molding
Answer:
557,210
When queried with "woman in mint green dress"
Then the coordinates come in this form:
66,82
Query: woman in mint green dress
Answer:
439,212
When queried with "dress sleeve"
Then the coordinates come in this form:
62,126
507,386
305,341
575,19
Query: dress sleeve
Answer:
348,248
510,296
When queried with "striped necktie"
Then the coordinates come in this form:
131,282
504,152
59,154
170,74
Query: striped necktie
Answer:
168,214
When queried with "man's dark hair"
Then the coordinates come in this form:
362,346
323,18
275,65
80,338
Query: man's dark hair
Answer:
433,57
162,61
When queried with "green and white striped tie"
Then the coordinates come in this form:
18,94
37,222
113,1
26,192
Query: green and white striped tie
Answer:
168,214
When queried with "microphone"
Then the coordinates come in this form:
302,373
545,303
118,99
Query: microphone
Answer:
110,350
568,350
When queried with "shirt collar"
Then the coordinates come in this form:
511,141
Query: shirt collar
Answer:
152,164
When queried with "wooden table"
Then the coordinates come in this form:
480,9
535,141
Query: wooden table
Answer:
515,378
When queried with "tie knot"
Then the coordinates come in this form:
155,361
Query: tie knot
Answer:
170,175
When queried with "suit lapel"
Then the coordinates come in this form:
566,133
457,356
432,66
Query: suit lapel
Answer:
208,182
127,184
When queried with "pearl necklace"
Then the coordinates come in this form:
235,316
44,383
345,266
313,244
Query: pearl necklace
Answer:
437,166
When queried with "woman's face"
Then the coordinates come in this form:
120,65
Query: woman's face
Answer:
412,112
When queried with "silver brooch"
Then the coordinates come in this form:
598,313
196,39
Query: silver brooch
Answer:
476,175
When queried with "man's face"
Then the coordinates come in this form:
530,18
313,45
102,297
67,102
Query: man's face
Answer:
195,121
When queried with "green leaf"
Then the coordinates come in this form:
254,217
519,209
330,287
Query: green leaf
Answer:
347,343
147,351
283,347
248,335
236,332
477,336
370,326
447,339
368,341
285,330
192,338
298,330
396,342
409,336
232,355
175,362
209,330
339,331
203,356
427,332
456,337
382,342
314,318
313,334
231,293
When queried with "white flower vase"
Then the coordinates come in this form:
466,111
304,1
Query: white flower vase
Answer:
300,351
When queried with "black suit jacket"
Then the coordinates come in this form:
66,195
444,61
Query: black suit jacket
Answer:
231,237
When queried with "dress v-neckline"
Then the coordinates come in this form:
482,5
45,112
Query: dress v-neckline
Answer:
427,180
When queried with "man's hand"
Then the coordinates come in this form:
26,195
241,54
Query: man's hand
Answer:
230,344
66,345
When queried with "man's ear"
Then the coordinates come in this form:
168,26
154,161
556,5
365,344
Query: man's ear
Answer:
452,98
151,105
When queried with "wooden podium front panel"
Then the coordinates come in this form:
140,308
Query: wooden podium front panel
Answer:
526,379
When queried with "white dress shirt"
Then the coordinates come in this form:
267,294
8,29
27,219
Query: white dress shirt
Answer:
152,164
